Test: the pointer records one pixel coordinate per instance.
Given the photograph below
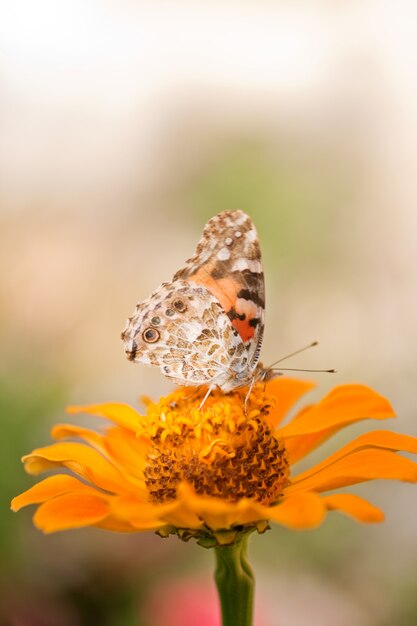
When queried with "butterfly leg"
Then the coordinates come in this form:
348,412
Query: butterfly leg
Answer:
249,392
209,390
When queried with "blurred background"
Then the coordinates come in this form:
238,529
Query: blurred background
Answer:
124,126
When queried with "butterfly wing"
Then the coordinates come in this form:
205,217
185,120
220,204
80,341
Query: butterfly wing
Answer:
184,330
227,262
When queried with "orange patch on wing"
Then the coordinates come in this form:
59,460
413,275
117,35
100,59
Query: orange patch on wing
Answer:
224,289
244,329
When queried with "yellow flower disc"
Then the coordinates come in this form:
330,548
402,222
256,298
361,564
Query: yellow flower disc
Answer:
220,449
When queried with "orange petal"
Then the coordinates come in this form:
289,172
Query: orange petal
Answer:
218,513
50,488
147,516
298,447
68,431
71,510
127,450
120,446
299,511
82,460
343,405
356,507
374,439
110,523
286,391
121,414
357,467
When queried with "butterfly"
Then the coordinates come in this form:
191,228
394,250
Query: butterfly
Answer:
205,326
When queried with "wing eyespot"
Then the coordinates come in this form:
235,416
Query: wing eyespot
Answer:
156,320
169,312
179,305
151,335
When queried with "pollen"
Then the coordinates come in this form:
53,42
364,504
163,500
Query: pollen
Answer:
221,449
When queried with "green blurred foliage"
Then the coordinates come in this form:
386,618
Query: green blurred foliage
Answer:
26,399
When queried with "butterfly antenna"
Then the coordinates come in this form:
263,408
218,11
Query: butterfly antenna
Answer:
284,358
296,369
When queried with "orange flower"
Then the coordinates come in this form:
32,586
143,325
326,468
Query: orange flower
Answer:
212,472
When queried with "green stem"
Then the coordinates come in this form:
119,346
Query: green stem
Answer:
235,583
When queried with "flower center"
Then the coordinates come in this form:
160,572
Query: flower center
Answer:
219,450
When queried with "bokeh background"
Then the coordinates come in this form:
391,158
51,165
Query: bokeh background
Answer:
124,127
